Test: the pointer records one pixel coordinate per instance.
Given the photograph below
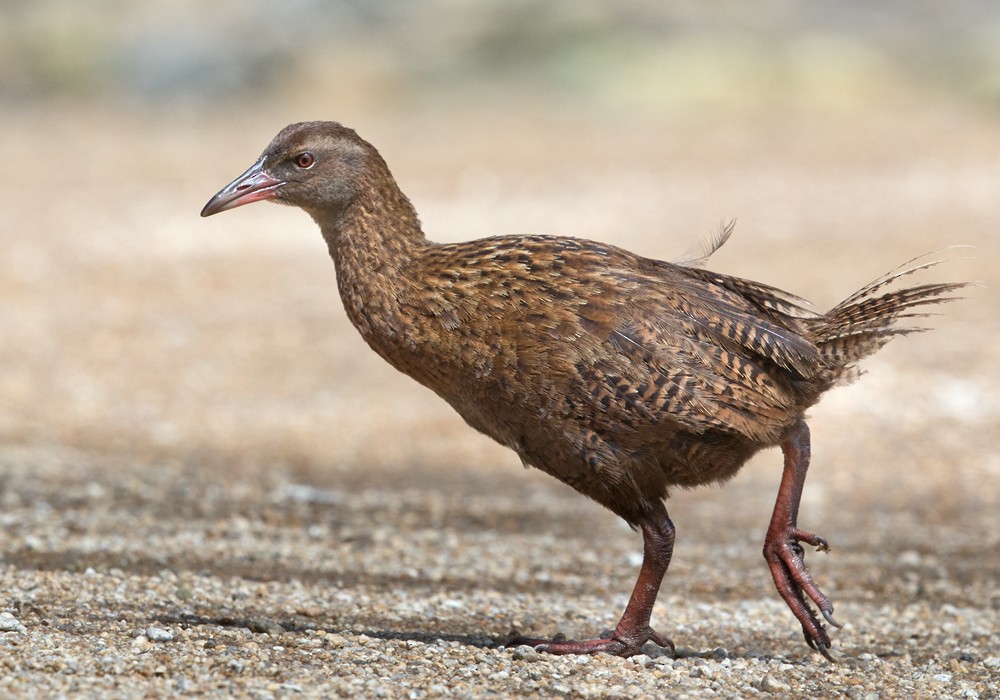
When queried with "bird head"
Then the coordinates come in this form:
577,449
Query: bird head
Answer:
316,166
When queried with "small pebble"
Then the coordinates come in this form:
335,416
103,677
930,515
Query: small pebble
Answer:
334,641
768,684
158,634
525,653
267,627
9,623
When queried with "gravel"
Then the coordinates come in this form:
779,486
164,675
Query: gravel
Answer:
108,593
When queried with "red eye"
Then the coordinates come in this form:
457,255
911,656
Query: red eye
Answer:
305,160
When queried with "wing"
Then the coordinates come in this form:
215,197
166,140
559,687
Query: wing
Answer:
694,349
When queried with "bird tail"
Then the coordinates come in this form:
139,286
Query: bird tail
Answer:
867,320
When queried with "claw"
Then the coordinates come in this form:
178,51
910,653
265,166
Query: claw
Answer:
662,641
812,538
828,616
825,651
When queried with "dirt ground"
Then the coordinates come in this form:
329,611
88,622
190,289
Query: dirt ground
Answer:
211,487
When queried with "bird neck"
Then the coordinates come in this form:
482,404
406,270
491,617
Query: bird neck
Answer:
374,244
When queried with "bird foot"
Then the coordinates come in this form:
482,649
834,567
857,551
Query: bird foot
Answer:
623,643
786,560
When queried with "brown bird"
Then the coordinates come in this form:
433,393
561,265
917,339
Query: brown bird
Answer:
619,375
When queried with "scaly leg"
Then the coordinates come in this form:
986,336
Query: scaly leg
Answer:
784,554
633,629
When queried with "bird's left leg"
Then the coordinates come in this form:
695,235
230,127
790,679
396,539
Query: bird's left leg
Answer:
633,630
784,554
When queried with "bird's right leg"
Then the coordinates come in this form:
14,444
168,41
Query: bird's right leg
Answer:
784,554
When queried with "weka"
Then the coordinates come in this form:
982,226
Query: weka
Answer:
619,375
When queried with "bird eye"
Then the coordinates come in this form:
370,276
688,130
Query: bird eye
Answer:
304,160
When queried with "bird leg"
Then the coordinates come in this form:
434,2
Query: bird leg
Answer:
785,556
633,629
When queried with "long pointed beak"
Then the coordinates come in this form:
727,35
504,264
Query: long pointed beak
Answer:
252,186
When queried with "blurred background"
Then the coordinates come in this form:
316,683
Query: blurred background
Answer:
845,137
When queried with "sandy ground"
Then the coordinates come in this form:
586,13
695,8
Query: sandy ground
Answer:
211,487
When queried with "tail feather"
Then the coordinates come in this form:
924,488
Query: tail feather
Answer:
909,267
867,320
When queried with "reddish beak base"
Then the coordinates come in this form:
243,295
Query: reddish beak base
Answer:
252,186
